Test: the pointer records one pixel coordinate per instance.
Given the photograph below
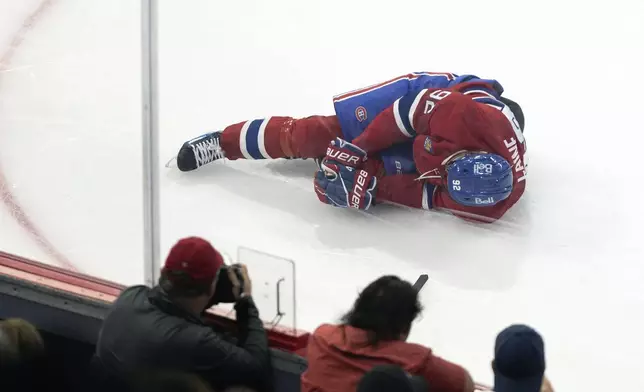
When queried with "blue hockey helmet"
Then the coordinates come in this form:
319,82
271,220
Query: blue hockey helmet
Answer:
479,179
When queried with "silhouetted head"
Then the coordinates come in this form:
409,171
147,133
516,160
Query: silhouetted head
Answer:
190,273
389,378
385,309
22,354
519,360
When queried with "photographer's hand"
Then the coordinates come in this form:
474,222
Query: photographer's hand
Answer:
232,277
248,284
237,285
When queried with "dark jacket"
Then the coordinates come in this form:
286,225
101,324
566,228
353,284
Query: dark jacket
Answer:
145,330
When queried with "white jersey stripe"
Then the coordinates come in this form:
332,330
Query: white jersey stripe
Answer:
398,118
426,197
497,107
446,75
413,107
365,90
479,92
260,138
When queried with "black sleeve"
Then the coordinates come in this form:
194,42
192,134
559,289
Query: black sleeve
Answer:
247,363
251,331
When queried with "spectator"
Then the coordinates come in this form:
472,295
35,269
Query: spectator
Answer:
174,381
20,342
519,363
374,333
22,354
161,327
168,381
391,378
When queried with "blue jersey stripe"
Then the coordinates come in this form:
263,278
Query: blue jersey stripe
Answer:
428,196
252,136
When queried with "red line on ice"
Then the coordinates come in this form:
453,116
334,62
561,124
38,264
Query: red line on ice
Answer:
8,197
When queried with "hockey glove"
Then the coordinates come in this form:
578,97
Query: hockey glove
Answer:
341,152
346,187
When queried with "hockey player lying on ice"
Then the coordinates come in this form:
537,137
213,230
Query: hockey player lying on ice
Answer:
424,140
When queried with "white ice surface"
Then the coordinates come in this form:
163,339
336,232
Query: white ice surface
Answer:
567,259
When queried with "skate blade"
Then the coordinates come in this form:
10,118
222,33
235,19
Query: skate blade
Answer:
169,163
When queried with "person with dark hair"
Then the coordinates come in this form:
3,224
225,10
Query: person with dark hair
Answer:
391,378
519,363
22,354
161,328
19,341
374,333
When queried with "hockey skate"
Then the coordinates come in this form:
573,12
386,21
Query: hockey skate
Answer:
200,151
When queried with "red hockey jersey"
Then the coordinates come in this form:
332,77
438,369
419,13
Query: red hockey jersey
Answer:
442,124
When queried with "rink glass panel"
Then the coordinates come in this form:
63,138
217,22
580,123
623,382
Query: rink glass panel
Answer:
70,131
224,202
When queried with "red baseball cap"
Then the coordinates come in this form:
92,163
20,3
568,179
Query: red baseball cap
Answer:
195,257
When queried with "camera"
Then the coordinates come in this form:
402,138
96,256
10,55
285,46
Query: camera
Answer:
237,270
224,288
